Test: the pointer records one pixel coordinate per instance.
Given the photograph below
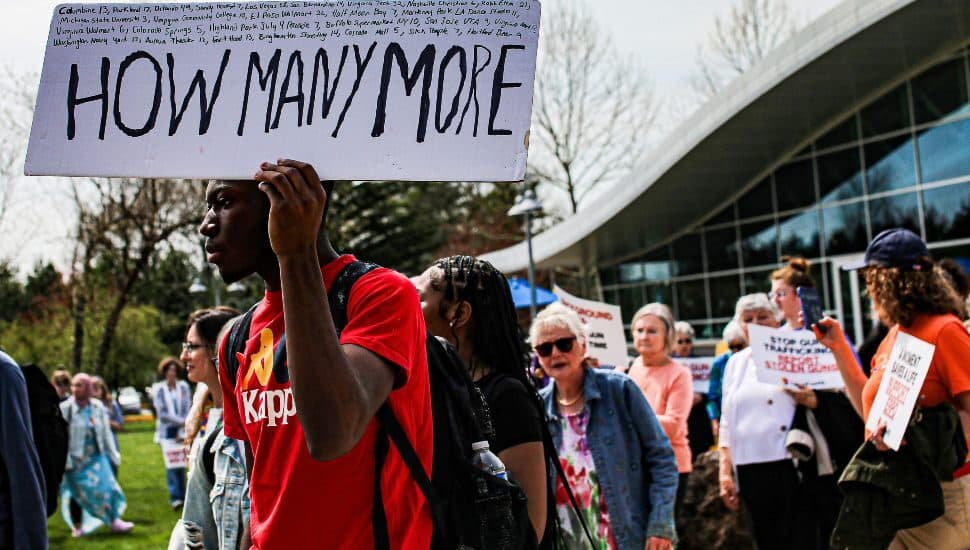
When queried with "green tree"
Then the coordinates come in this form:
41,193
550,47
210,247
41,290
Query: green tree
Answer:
122,223
13,299
401,225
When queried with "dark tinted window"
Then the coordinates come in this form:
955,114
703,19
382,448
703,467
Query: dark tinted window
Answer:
691,302
726,215
725,292
756,281
940,92
757,201
721,249
886,114
846,132
947,212
795,185
894,211
662,293
944,151
687,254
758,243
631,298
890,164
845,228
798,235
839,175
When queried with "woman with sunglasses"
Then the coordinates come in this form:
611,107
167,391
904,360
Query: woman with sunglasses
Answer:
216,511
617,459
468,302
664,382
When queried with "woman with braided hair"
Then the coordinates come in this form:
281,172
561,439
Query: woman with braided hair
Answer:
467,301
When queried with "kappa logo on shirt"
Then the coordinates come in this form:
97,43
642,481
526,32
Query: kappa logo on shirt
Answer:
274,406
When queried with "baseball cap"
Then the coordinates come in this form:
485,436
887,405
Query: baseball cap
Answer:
895,247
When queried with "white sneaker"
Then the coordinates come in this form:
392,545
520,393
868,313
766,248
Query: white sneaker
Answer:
121,526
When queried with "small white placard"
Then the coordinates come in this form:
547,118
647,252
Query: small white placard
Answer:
174,453
420,90
793,358
902,378
700,371
605,339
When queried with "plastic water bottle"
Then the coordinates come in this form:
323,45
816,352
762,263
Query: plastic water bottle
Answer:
487,461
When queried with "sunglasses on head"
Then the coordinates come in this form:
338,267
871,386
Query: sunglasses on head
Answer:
564,345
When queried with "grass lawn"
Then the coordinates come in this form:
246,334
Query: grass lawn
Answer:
142,476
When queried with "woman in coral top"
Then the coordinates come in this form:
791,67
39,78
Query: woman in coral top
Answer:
912,296
664,382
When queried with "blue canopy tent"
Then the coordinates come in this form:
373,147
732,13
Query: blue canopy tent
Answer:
521,294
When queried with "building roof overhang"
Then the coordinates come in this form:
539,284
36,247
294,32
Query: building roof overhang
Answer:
837,63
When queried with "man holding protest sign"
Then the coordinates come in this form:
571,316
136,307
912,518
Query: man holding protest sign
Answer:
921,361
308,423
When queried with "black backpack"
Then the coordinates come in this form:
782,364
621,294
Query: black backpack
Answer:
471,508
50,431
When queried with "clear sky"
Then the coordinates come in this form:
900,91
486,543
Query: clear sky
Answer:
663,34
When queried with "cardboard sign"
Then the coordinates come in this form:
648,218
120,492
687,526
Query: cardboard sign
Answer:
903,376
605,338
362,89
700,371
174,453
792,358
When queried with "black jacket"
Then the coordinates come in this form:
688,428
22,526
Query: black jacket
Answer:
889,491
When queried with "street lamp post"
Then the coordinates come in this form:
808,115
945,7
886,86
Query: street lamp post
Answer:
526,205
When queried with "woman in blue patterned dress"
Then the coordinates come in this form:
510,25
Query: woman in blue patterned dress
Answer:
89,479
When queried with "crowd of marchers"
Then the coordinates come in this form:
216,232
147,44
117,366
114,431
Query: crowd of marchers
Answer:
353,407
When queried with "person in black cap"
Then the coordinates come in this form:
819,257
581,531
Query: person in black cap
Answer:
912,296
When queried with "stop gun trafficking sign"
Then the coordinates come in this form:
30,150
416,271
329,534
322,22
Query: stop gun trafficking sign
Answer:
793,358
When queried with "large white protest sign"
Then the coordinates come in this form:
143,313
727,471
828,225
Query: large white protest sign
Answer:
902,378
363,89
605,340
700,371
791,358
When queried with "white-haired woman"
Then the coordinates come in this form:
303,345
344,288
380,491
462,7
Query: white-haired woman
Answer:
664,382
617,460
755,419
700,429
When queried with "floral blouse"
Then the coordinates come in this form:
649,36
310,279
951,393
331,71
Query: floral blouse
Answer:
577,463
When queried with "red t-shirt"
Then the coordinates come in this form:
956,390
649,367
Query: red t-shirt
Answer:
298,502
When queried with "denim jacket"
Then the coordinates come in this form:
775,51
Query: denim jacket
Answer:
216,514
636,466
78,430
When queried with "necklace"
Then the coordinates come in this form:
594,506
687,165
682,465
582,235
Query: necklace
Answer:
571,402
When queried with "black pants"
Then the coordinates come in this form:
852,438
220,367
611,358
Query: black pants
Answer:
775,505
825,501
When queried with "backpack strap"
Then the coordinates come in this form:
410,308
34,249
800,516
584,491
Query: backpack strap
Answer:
338,295
235,342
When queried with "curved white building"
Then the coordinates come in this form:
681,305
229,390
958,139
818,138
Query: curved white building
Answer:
858,123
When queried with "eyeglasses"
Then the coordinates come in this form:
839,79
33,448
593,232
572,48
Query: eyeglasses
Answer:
189,347
564,345
780,293
685,341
